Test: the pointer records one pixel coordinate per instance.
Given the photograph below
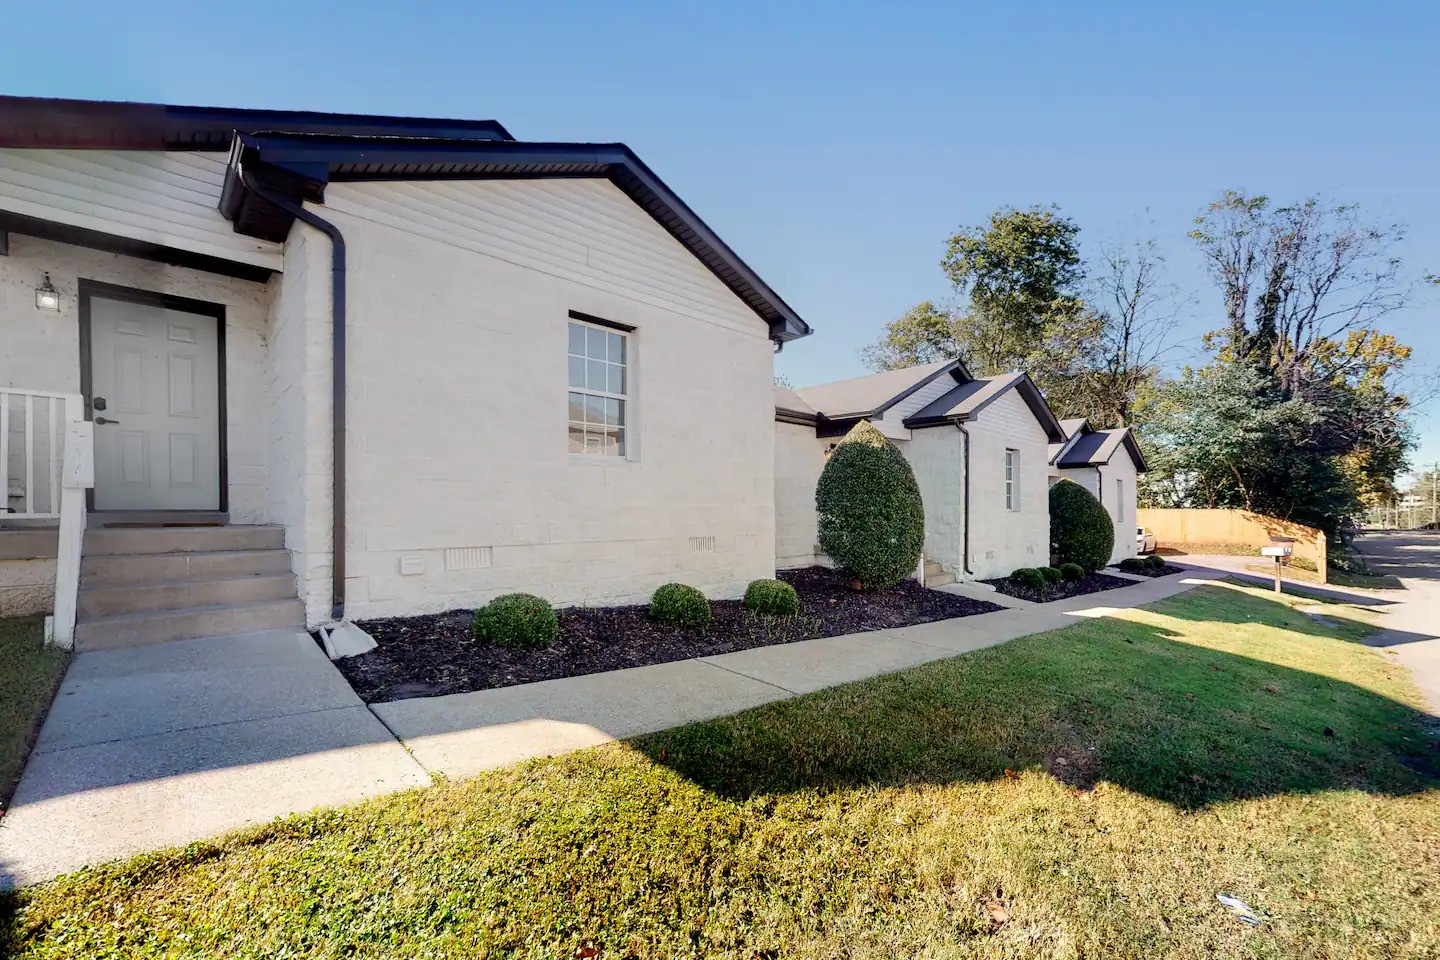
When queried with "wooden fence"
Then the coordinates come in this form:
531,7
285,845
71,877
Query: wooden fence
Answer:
1236,528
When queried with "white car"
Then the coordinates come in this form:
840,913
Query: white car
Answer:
1144,541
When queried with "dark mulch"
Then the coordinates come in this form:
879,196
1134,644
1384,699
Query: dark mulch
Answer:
437,654
1164,571
1091,583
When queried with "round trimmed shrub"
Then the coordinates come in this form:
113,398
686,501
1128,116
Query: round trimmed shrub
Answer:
1051,575
517,620
872,521
1072,572
1081,531
772,598
680,606
1156,561
1028,577
1134,565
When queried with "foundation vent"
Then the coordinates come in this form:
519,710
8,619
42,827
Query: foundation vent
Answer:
468,558
702,544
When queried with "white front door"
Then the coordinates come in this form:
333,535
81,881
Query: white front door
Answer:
155,390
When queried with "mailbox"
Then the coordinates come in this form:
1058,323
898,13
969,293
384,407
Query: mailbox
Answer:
1279,550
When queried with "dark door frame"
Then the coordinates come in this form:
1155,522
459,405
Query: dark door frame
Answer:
110,291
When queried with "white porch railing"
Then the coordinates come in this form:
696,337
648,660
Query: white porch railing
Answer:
46,462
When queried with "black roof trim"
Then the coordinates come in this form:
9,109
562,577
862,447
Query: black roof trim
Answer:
301,166
45,122
795,417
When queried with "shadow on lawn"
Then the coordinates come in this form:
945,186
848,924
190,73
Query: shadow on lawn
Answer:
1108,700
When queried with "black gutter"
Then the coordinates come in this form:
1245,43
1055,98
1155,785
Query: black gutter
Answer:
965,530
337,366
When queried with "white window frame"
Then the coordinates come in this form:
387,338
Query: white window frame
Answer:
626,396
1012,480
1120,498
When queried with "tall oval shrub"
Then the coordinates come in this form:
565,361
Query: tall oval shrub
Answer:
872,521
1081,531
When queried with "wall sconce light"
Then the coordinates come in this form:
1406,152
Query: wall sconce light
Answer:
47,297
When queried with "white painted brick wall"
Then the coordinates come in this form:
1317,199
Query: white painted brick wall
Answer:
40,350
297,403
799,459
457,344
936,456
1002,540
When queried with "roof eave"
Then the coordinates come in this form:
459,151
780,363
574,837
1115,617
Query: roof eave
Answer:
314,161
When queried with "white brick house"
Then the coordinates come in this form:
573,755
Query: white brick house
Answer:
978,447
1108,463
524,334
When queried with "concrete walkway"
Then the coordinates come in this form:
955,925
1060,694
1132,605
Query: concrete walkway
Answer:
466,733
171,743
161,745
1412,618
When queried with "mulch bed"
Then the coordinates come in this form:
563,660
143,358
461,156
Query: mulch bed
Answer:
1164,571
436,654
1091,583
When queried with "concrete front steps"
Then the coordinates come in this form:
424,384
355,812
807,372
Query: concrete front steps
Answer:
141,585
936,576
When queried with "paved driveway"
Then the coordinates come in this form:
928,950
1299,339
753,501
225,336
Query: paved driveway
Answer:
1413,622
165,744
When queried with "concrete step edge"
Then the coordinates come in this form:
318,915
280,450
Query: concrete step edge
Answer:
129,586
140,616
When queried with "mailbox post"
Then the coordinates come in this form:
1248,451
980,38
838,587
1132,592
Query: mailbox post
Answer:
1281,548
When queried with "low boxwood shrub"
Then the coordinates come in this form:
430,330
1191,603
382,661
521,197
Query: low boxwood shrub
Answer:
1134,565
517,620
1072,572
1028,577
1050,574
680,606
772,598
1081,531
872,521
1156,561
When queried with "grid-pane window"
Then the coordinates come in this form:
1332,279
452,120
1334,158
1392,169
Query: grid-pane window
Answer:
599,389
1012,479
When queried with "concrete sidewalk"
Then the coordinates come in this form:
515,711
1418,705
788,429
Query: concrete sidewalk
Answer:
466,733
161,745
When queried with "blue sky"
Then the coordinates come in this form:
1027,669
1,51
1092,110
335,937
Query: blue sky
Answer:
835,146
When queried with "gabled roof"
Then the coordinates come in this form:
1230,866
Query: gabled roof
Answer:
1097,447
967,400
298,168
790,408
45,122
872,395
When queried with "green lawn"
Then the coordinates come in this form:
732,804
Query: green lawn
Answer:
29,673
1082,793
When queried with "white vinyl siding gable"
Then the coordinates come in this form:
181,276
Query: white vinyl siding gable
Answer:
166,198
584,231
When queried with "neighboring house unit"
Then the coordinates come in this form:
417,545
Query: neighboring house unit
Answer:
978,447
1108,463
430,362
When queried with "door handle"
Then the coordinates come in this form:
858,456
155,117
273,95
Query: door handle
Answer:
101,421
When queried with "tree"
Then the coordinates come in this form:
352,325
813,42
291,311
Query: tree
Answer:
1017,278
1296,280
1138,313
872,520
1226,436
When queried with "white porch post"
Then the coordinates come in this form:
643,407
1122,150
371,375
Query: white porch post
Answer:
78,475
